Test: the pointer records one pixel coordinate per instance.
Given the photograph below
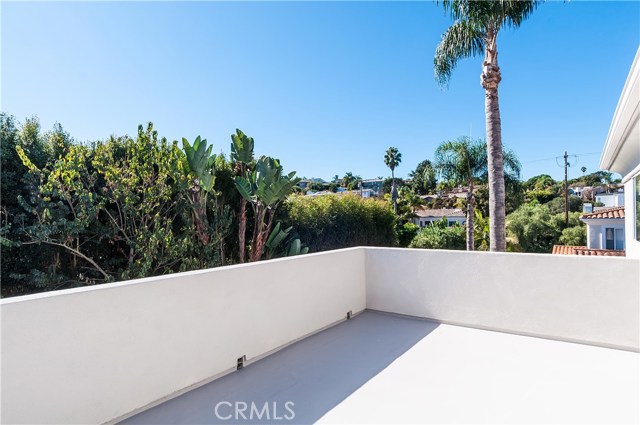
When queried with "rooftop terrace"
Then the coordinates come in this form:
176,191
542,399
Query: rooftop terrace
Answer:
381,368
491,338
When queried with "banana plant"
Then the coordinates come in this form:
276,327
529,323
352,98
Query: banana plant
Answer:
199,163
284,243
242,157
264,188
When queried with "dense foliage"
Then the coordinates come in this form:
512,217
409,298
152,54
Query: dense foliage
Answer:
439,236
331,222
535,228
128,207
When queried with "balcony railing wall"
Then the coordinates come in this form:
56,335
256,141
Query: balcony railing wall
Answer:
571,298
97,354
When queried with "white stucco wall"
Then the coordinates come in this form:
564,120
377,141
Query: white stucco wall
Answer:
596,231
611,200
90,355
575,298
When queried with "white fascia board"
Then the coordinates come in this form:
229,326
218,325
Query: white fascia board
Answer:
602,221
625,120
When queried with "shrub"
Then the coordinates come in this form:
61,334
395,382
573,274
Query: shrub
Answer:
574,236
406,233
341,221
438,236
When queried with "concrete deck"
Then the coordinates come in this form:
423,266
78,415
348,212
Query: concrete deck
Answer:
379,368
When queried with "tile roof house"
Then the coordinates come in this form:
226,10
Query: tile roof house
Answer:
425,216
605,235
606,229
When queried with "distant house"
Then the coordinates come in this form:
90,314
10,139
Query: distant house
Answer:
302,184
375,185
611,200
605,229
425,216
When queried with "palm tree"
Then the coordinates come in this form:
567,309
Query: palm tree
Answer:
475,32
243,160
460,162
464,162
393,158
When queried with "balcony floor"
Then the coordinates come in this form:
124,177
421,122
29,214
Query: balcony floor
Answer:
380,368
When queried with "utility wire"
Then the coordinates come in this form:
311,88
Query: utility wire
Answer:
560,157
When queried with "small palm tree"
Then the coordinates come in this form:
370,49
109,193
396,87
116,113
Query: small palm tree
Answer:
583,169
393,158
475,32
464,162
243,161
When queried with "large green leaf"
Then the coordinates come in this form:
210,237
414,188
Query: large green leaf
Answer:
241,147
244,187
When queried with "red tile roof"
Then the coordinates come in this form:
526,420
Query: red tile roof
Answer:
600,252
583,250
565,249
616,212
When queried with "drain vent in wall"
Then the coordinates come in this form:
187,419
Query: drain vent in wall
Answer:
349,315
241,361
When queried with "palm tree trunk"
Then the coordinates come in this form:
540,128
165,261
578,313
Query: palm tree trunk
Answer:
200,216
470,207
393,193
490,79
242,230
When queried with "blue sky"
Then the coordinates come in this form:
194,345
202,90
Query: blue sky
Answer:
325,87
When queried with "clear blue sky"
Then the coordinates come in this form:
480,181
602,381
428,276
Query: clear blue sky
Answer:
325,87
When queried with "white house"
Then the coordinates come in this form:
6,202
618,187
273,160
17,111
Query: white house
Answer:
427,216
605,229
611,200
621,155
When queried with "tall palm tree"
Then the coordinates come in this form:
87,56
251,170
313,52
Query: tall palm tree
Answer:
464,162
393,158
475,32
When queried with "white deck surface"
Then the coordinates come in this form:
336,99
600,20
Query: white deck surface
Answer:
385,369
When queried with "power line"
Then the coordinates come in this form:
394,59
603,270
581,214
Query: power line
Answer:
560,157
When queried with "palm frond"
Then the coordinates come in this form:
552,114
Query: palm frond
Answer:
462,40
514,12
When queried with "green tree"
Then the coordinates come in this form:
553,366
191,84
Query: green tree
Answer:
475,32
341,221
556,205
542,189
423,178
393,158
350,181
462,162
406,233
265,188
481,231
199,165
243,159
576,236
530,229
387,185
439,235
534,228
